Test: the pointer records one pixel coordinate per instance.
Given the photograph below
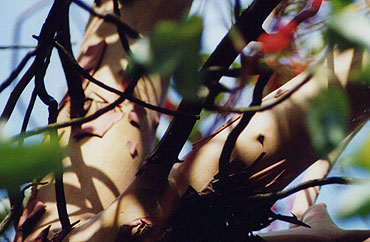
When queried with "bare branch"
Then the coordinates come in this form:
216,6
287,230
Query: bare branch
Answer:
109,18
74,82
86,75
16,72
17,91
16,47
254,108
234,134
223,56
313,183
121,31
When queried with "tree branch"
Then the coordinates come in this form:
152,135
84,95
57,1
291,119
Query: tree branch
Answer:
109,18
262,108
90,78
179,130
17,70
273,196
234,134
121,31
17,91
74,82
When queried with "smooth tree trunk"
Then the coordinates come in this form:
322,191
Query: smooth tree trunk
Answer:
288,151
105,154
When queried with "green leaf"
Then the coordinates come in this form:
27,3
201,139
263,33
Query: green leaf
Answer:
362,156
338,5
349,27
19,165
357,202
173,51
361,75
327,119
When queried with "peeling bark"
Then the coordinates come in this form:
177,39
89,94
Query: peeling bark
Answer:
286,152
100,165
100,183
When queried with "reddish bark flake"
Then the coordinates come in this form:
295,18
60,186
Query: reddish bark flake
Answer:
100,126
123,84
92,57
268,175
30,216
280,92
132,148
278,41
136,114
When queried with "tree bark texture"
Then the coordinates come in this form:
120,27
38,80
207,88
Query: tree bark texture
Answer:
105,154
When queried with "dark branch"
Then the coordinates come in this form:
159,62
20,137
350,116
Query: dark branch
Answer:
274,196
223,57
244,121
16,72
27,116
17,91
86,75
74,82
79,121
109,18
42,59
237,8
121,31
262,108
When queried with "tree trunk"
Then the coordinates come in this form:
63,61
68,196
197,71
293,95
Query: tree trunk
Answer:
105,154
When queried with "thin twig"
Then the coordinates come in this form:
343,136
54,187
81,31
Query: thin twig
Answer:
111,18
27,116
17,47
17,91
90,78
77,121
121,31
16,72
216,71
273,196
72,122
261,108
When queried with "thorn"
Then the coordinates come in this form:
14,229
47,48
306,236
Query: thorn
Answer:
290,219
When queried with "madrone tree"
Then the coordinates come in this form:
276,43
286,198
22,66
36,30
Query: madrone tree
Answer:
98,175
